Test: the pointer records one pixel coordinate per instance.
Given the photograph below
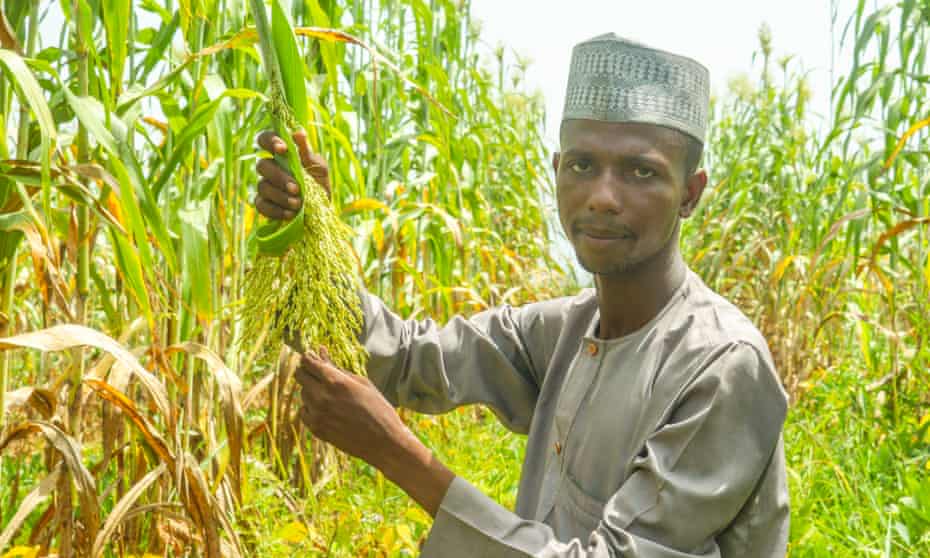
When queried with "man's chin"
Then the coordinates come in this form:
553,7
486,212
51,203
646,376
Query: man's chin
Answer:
607,268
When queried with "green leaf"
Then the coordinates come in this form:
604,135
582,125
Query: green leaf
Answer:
196,281
290,62
129,267
32,96
275,237
202,117
92,115
116,15
160,45
130,207
149,205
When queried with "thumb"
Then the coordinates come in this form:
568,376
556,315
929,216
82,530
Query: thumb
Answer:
313,163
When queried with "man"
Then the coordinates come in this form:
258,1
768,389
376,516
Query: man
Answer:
652,405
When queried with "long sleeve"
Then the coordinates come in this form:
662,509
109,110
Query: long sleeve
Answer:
718,454
495,358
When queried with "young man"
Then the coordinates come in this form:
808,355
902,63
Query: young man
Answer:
652,406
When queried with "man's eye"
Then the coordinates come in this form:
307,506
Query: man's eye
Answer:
580,166
643,172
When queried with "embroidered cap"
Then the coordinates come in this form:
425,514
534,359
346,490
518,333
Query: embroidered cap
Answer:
617,80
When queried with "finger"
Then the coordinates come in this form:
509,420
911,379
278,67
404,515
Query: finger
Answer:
278,176
319,170
272,211
278,197
311,366
324,354
324,370
303,147
313,163
270,141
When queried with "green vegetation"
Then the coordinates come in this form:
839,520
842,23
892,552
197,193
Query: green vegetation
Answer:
126,175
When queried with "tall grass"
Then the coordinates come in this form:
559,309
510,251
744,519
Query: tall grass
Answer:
821,235
126,192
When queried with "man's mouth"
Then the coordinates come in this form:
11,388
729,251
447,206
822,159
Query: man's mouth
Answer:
604,233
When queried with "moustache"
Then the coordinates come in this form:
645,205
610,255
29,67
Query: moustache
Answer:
598,227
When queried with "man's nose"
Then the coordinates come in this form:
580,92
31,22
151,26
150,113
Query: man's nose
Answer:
604,194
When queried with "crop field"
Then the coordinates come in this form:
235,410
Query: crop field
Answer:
141,416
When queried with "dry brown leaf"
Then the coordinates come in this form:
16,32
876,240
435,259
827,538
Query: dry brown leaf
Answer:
230,396
177,534
43,401
122,508
200,505
257,389
15,399
152,437
68,179
8,39
30,502
63,337
47,274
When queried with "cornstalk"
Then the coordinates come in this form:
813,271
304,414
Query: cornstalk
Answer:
65,511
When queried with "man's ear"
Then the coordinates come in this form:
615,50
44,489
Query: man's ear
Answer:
555,162
694,187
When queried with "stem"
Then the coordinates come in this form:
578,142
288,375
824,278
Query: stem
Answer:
83,259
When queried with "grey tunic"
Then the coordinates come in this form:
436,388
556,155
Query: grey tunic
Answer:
662,443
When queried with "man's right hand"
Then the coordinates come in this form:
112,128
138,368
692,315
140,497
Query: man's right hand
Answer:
278,196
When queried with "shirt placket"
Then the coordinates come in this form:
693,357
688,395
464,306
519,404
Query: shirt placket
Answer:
574,391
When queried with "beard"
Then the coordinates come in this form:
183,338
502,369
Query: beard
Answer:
619,268
629,264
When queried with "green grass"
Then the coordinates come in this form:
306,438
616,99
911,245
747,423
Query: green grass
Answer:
361,514
857,488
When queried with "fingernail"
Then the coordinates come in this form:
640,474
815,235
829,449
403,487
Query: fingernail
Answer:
292,188
294,202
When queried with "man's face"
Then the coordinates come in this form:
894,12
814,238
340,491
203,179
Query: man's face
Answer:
621,190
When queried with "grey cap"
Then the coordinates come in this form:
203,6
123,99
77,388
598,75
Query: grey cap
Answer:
617,80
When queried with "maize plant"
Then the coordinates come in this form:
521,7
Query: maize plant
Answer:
303,287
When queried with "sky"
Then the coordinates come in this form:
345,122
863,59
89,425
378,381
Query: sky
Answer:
721,34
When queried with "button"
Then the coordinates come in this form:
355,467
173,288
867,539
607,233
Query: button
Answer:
592,349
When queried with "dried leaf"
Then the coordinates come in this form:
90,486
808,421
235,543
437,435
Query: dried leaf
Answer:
903,141
152,437
201,506
8,41
122,508
230,397
257,389
15,399
47,271
63,337
43,401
